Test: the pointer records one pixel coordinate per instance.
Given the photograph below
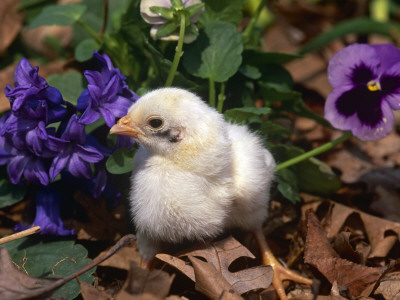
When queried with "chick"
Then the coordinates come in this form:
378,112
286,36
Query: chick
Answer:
195,175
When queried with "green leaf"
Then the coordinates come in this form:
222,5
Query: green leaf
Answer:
84,50
290,101
121,161
257,57
164,12
41,256
10,193
222,10
167,28
274,131
353,26
62,15
216,54
316,177
177,4
250,71
287,185
194,9
312,175
243,114
69,84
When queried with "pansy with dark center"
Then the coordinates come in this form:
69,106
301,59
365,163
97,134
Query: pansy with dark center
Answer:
366,88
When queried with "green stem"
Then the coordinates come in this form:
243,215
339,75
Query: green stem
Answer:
90,31
314,152
248,30
221,98
178,52
211,88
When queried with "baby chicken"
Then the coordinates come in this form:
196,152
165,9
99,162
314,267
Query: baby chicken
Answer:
195,175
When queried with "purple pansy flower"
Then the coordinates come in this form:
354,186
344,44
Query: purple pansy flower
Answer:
47,213
366,88
32,100
73,151
107,94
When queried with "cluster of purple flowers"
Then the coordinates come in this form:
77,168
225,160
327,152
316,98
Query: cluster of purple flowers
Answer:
43,135
366,88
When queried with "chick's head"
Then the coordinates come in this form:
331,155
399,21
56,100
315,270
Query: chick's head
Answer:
166,119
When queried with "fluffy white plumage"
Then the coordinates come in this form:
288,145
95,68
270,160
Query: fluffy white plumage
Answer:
195,175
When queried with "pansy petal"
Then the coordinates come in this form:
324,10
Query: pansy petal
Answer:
336,119
356,62
390,85
382,129
150,17
389,55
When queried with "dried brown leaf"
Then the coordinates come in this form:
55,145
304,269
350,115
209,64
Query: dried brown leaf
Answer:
347,274
341,244
89,292
386,203
221,254
210,282
389,287
17,285
151,284
122,258
10,22
382,234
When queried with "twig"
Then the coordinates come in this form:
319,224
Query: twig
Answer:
105,18
20,234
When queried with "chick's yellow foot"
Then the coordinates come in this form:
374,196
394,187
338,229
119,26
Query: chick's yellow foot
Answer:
280,273
146,264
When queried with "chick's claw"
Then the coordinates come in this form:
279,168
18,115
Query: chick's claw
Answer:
280,273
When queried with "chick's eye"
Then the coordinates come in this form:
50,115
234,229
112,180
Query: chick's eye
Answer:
155,123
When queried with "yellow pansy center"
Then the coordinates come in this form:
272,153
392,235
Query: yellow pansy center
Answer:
374,86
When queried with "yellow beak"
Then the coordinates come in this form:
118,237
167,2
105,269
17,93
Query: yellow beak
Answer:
124,127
